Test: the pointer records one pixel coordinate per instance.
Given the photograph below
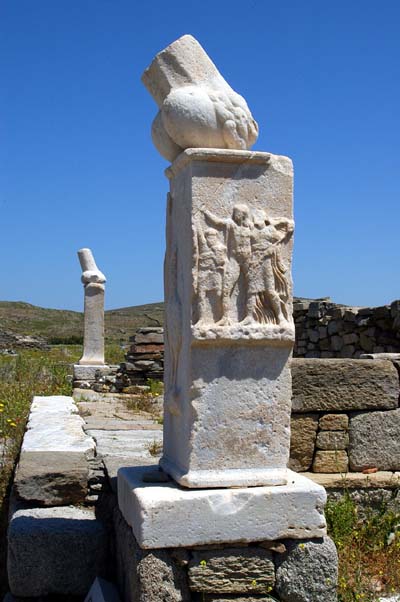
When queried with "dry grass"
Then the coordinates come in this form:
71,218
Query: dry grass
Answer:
21,377
140,401
155,448
368,547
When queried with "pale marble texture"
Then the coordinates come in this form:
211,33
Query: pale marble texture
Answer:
93,281
55,425
163,515
228,323
197,106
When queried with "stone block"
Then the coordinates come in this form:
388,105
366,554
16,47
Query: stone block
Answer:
233,598
333,327
337,385
347,351
308,571
51,478
232,571
55,551
323,332
144,576
314,310
350,339
303,428
331,440
82,372
324,345
150,348
350,314
330,461
153,338
374,440
336,342
53,465
334,422
366,343
227,383
164,515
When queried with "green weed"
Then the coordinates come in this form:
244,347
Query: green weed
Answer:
368,545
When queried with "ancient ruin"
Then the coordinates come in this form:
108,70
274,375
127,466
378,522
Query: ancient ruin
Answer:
229,336
93,341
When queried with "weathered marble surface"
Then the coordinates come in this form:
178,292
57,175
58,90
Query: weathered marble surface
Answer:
229,331
93,281
198,108
164,515
53,465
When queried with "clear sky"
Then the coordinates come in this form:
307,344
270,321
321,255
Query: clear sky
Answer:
78,168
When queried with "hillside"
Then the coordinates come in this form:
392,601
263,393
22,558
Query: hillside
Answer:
55,324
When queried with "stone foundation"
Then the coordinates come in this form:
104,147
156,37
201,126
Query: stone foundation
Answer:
290,570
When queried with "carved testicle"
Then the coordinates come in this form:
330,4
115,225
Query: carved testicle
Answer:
198,108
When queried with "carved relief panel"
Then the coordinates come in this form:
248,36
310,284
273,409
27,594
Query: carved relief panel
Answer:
240,277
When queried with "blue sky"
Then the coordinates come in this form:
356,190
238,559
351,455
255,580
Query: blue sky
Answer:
78,168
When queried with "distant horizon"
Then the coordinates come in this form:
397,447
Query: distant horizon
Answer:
319,298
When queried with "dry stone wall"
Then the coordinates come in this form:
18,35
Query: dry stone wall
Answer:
345,415
10,341
328,330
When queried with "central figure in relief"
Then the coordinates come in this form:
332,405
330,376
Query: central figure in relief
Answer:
241,256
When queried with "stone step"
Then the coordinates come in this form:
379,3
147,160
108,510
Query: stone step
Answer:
55,454
55,551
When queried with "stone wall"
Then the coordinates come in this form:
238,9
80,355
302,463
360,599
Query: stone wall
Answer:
328,330
345,416
10,341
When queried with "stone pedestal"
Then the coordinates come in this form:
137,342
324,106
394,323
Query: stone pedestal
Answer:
163,515
93,281
229,331
229,335
93,353
93,339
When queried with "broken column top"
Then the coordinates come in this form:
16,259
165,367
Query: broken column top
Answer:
90,271
198,108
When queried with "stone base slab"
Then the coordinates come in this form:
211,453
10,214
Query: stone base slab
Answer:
164,515
238,477
88,372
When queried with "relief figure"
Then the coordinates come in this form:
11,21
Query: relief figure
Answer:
268,290
237,232
210,274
